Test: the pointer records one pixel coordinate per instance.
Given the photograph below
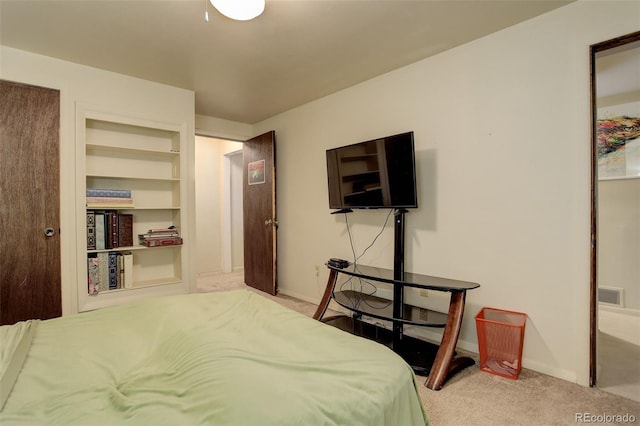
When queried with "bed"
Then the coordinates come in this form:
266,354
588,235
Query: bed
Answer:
222,358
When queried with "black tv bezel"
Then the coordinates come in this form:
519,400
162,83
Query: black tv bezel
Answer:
347,208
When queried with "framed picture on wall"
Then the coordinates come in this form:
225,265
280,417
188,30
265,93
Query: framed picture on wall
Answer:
256,172
618,141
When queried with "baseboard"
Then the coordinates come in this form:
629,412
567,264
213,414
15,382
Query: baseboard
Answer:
215,273
618,310
295,295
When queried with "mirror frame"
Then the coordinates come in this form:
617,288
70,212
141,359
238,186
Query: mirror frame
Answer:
593,308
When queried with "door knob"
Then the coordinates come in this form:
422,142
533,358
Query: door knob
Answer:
48,232
272,222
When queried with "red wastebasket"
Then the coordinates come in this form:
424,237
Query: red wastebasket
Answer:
500,341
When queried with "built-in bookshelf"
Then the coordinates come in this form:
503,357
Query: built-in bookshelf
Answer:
143,162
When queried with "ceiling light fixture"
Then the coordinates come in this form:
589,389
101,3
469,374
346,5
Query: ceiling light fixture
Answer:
240,10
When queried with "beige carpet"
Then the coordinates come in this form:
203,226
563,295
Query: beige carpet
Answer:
475,398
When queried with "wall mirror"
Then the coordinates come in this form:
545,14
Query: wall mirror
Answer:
615,216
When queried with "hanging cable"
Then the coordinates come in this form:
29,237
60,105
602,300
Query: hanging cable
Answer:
359,286
379,233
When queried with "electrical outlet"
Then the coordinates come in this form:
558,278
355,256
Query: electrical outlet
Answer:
423,313
424,292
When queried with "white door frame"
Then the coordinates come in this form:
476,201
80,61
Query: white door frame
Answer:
227,261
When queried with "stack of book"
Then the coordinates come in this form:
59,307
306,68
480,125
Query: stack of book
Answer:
160,237
109,229
109,198
109,271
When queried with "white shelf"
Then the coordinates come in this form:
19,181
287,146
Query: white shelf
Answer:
135,151
132,248
140,284
147,158
156,208
129,177
106,207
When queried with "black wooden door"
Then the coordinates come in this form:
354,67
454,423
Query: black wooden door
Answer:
30,283
259,210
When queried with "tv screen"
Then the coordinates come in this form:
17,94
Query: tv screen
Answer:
379,173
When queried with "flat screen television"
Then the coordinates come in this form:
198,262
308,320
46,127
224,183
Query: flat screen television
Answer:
374,174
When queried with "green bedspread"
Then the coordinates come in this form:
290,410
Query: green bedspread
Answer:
225,358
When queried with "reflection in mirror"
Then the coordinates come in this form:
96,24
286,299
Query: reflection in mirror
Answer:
616,209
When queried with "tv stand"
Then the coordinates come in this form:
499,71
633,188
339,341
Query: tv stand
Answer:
444,363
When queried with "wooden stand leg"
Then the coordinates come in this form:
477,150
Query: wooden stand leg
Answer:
326,297
444,365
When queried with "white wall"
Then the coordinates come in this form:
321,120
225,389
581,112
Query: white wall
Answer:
223,129
502,129
106,91
209,201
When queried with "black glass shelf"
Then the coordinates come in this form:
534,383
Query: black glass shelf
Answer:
408,280
419,354
377,307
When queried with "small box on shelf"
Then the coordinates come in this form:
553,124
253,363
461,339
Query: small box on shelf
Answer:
108,198
160,237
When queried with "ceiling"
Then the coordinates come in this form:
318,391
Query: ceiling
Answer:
295,52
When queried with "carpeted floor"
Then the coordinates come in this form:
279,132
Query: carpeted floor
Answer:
475,398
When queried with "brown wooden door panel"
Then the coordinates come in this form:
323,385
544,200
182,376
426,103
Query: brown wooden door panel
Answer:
30,282
259,209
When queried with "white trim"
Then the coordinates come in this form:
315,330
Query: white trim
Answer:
614,308
227,240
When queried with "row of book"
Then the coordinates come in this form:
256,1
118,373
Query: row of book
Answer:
109,271
108,229
160,237
109,198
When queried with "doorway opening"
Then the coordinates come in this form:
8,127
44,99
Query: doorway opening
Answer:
615,222
219,213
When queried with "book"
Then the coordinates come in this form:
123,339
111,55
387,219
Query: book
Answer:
160,241
125,230
128,269
143,237
113,270
91,230
100,231
169,230
160,237
108,198
119,271
110,193
112,230
93,276
104,202
103,270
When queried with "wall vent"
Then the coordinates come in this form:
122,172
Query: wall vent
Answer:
611,296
